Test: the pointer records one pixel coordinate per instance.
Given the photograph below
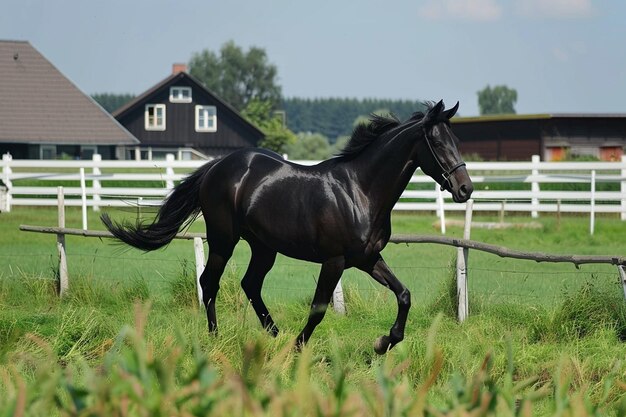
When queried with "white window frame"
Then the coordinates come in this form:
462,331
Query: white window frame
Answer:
177,95
154,126
208,116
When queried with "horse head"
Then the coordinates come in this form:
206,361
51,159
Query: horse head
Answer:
439,155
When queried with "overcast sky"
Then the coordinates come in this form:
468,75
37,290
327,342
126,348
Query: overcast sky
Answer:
560,55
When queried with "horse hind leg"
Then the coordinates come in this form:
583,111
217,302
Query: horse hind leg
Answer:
261,262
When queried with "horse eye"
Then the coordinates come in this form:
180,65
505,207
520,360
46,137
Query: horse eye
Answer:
438,144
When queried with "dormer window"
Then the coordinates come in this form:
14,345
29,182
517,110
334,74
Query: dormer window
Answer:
155,117
180,94
206,119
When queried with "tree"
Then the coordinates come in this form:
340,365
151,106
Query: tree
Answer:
277,135
237,76
497,100
363,119
309,146
111,102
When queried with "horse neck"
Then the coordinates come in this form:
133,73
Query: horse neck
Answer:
385,168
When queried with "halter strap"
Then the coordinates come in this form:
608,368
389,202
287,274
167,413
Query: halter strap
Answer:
445,173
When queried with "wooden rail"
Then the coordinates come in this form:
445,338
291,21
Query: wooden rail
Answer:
442,240
91,233
510,253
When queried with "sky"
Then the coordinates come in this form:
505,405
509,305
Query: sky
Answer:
562,56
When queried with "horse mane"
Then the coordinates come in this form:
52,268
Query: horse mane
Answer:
366,133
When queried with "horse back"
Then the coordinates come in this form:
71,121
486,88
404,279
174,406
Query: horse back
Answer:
306,212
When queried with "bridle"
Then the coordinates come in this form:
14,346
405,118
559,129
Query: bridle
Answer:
445,173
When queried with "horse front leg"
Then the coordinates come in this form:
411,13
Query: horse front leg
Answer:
381,273
329,277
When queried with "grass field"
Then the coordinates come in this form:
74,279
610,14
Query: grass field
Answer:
551,325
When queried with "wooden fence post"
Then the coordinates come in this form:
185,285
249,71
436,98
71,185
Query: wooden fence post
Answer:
169,171
63,283
623,189
622,275
83,196
535,186
440,209
199,251
462,264
97,158
338,303
592,208
3,198
6,178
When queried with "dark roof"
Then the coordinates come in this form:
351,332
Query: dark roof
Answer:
40,105
170,80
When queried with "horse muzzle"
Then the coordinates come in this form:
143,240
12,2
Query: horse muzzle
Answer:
460,185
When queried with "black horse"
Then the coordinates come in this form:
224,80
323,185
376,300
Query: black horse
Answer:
337,213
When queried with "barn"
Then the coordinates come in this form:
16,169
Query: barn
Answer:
552,136
179,112
43,115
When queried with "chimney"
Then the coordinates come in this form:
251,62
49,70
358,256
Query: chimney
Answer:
176,68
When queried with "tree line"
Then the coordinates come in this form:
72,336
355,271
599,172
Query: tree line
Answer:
335,117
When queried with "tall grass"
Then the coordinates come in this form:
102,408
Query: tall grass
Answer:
92,353
135,378
69,357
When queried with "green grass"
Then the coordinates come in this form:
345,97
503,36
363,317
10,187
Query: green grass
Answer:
550,324
73,350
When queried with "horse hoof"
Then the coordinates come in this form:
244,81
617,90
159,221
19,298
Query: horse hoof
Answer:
272,330
382,345
297,347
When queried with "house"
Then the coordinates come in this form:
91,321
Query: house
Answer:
43,115
179,112
552,136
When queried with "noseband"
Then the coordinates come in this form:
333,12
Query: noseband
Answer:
445,173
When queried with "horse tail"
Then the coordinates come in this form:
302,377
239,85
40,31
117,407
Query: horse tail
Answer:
178,211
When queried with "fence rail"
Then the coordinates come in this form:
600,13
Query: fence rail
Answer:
148,182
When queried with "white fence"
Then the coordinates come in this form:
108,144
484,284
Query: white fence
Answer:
151,181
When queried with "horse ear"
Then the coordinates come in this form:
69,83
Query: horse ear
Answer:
437,109
434,112
450,113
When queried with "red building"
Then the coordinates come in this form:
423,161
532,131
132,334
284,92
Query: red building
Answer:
552,136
